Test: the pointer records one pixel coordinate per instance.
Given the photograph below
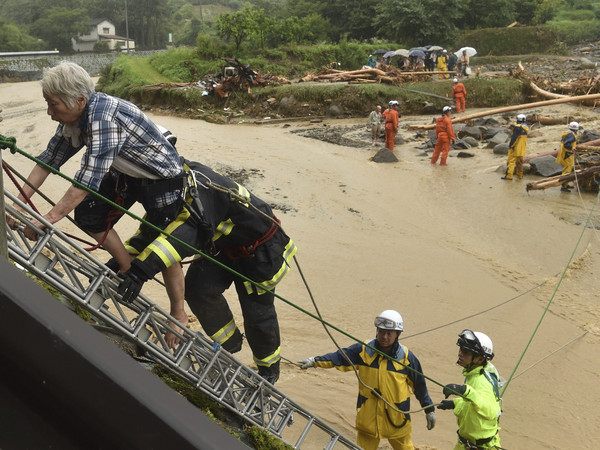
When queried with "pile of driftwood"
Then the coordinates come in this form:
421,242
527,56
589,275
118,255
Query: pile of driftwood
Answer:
548,88
384,74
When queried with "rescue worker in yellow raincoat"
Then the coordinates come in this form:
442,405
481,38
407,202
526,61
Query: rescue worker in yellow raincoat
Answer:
392,382
517,148
226,221
566,158
442,64
478,409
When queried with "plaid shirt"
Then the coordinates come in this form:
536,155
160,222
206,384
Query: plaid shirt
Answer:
114,127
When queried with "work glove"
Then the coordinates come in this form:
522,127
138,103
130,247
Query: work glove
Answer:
430,416
446,404
308,362
454,389
131,284
113,265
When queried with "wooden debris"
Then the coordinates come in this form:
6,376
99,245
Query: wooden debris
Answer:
560,179
491,112
385,74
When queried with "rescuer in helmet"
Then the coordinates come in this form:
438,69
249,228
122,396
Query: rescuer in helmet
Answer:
459,94
517,148
566,154
445,136
390,118
389,371
478,407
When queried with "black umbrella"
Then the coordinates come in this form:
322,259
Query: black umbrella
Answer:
380,52
417,52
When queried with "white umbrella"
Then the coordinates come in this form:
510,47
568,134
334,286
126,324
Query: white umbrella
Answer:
470,51
435,47
402,52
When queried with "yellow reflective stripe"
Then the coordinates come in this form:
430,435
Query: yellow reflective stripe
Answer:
162,247
269,360
290,251
131,250
243,192
223,229
224,333
164,250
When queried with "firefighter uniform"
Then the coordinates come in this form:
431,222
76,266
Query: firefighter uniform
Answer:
239,237
565,158
459,93
445,134
390,117
517,148
478,413
375,420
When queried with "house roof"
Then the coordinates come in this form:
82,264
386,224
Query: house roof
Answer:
113,36
95,22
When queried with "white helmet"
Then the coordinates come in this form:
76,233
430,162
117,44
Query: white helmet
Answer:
170,137
389,320
574,126
521,118
477,342
455,80
447,109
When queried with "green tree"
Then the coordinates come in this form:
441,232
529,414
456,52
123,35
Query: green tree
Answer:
59,25
419,23
546,10
489,13
14,39
234,27
260,24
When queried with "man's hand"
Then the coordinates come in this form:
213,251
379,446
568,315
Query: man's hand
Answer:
308,362
454,389
30,233
446,404
430,416
171,338
130,286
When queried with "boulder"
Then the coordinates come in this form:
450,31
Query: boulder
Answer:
587,136
490,132
499,138
287,104
471,141
464,155
384,156
501,149
462,143
334,111
474,132
545,166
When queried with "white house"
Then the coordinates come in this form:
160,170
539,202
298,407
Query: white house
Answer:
102,30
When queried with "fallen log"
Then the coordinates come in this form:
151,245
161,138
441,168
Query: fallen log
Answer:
545,120
491,112
529,158
587,148
544,93
560,179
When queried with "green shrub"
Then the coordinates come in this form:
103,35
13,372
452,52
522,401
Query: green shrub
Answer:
510,41
575,14
575,32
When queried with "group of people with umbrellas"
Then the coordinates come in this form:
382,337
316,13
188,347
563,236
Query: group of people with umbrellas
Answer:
426,58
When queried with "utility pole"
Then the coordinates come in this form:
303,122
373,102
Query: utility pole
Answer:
126,27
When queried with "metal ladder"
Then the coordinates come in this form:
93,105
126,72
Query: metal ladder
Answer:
59,261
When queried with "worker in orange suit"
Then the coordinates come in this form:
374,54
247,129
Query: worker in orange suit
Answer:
390,117
459,93
445,136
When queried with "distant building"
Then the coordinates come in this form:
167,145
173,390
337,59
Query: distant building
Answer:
102,31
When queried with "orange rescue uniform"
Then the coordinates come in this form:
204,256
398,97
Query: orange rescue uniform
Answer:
390,116
459,93
445,134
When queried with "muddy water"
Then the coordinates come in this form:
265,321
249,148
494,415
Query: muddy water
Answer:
449,247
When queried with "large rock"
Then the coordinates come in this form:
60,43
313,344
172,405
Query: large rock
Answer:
490,132
384,156
287,104
501,149
587,136
462,143
334,111
474,132
486,122
471,141
545,166
499,138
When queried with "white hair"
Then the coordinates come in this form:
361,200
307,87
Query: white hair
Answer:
68,81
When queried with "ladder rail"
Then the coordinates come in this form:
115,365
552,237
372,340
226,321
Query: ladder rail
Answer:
62,263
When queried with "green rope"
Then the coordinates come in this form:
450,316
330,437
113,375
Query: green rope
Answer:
553,295
11,143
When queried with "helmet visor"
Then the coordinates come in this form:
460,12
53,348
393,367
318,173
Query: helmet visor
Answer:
386,324
468,340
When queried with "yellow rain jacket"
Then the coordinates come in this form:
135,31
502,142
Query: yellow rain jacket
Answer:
518,140
568,142
393,380
478,416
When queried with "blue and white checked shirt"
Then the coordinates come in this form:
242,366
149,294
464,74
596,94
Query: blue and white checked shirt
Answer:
112,127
